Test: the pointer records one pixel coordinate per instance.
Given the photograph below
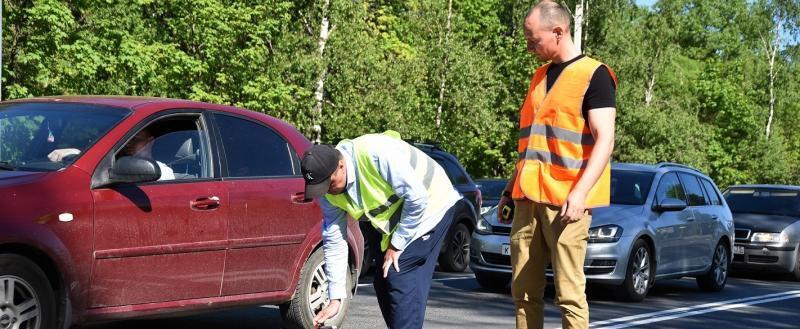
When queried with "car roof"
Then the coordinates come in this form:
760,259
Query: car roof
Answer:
661,167
766,186
130,102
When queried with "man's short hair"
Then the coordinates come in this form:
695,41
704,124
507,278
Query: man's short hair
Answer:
552,13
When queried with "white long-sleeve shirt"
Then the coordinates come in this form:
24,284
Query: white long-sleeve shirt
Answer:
416,219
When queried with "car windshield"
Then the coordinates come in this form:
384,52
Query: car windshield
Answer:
630,187
50,136
764,201
491,189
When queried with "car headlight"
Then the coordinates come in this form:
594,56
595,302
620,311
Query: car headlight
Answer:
486,209
483,226
770,237
608,233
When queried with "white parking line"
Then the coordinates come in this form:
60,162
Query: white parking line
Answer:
641,319
439,279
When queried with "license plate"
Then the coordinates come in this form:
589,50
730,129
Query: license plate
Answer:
738,250
506,250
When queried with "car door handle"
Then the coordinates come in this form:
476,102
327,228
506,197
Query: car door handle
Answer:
714,217
300,198
209,203
690,219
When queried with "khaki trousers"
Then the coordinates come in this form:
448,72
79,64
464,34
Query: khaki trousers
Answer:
539,238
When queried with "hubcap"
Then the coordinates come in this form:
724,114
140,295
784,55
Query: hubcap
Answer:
318,290
720,265
19,305
640,270
460,247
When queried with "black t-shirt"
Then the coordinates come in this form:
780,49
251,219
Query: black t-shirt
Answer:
601,91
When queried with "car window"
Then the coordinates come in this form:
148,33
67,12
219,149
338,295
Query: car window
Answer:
767,201
630,187
694,191
491,189
178,144
453,170
711,192
252,149
50,136
670,187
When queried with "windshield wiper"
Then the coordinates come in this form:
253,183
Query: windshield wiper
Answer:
4,165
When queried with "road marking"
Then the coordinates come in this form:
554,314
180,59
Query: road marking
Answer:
641,319
439,279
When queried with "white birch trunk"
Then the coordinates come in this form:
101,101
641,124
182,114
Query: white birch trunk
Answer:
578,29
319,93
445,66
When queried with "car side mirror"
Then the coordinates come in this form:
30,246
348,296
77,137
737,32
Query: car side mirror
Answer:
133,169
670,204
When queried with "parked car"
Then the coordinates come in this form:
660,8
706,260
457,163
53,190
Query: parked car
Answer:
491,189
454,255
665,221
767,222
203,211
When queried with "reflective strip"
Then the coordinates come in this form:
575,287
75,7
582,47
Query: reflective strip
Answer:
547,157
557,133
430,167
384,207
413,157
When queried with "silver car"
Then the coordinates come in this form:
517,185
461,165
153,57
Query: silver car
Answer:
767,220
665,221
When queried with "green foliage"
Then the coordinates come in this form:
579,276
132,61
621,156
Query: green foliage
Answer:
385,61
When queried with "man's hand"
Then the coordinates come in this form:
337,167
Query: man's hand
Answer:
573,208
59,154
392,257
504,201
328,312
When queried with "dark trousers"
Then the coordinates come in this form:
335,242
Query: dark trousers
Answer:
403,296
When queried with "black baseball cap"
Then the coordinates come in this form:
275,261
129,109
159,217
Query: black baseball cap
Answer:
319,163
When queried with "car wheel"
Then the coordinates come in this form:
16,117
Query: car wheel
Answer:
639,275
26,297
456,255
493,281
311,296
717,275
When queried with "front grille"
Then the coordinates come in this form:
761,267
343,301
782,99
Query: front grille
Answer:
742,234
738,258
498,259
762,259
501,230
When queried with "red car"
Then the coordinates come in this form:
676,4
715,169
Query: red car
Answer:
121,207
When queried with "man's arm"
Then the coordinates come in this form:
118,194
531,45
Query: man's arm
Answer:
601,123
334,231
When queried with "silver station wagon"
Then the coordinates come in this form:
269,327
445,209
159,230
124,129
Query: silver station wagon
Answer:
665,221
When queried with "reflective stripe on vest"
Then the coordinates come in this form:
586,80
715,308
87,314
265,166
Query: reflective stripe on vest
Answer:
379,203
554,139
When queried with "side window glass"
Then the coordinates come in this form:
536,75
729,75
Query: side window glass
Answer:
670,187
711,192
252,149
178,144
453,170
694,191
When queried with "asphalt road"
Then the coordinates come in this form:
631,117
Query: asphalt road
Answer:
457,301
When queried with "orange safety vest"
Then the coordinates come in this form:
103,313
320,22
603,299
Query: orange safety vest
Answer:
555,141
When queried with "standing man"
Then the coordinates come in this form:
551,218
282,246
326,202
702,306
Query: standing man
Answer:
408,199
565,143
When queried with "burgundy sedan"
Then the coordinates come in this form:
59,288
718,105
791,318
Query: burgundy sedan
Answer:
121,207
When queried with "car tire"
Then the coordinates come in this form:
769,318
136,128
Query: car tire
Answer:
456,254
717,275
639,273
32,303
493,281
311,295
796,272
